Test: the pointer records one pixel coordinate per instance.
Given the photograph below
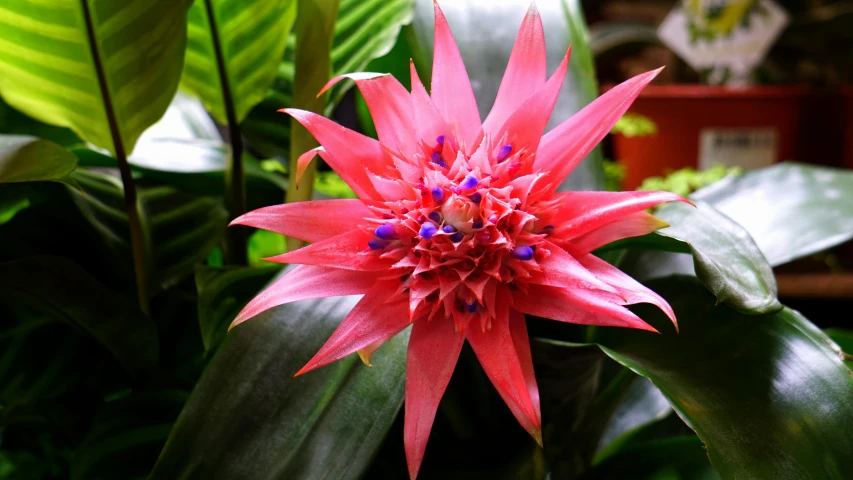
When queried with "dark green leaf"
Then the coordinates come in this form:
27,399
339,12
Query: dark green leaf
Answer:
222,293
30,159
11,202
179,229
725,258
673,458
51,54
791,210
127,435
486,48
364,30
249,418
768,395
15,122
251,38
844,339
63,291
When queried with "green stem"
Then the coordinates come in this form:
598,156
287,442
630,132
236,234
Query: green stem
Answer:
130,203
235,184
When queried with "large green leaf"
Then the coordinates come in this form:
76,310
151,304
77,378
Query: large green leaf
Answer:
672,458
222,293
178,229
30,159
93,65
62,291
485,36
791,210
844,339
249,38
364,30
768,395
725,258
249,418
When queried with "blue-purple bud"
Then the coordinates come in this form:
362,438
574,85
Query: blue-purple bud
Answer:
457,237
504,152
476,197
435,217
440,139
436,159
478,224
522,252
471,307
377,244
386,232
469,182
448,228
427,231
438,194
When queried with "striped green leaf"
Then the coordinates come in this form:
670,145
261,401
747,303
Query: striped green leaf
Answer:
249,36
179,229
90,64
29,159
364,30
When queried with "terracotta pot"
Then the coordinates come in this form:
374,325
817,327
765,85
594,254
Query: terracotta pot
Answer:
699,126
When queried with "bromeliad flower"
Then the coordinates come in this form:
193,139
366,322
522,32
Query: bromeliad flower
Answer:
458,228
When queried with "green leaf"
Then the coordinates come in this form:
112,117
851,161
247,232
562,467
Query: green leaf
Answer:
11,202
486,49
672,458
30,159
364,30
222,293
93,65
249,418
768,395
791,210
62,291
15,122
126,436
844,339
249,36
178,229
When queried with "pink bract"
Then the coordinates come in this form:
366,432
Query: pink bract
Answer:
458,228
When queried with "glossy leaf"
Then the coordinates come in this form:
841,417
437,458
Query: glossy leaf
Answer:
30,159
76,63
179,229
485,36
681,457
844,339
222,293
766,394
364,30
250,36
725,258
62,291
791,210
249,418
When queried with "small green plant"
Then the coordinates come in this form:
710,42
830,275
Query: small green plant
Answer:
687,180
633,125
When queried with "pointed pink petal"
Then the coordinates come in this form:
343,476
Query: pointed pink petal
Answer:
304,283
303,161
525,72
584,212
583,307
632,290
429,123
565,146
349,153
521,341
345,251
525,126
390,107
434,348
310,221
562,270
373,318
631,225
451,88
496,351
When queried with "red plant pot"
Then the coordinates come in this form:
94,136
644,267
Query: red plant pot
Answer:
699,126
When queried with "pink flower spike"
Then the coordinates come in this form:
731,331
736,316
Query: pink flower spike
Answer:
458,230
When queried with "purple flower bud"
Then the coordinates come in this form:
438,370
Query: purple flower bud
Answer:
448,228
377,244
469,182
427,230
471,307
522,252
476,197
503,153
457,237
440,139
438,194
386,232
478,224
435,217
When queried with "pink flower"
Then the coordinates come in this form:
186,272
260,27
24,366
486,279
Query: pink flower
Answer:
458,229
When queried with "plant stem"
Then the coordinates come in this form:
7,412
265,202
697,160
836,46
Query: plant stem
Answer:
130,203
235,186
315,31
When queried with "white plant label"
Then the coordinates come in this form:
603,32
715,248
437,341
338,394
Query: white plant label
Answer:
727,37
747,148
